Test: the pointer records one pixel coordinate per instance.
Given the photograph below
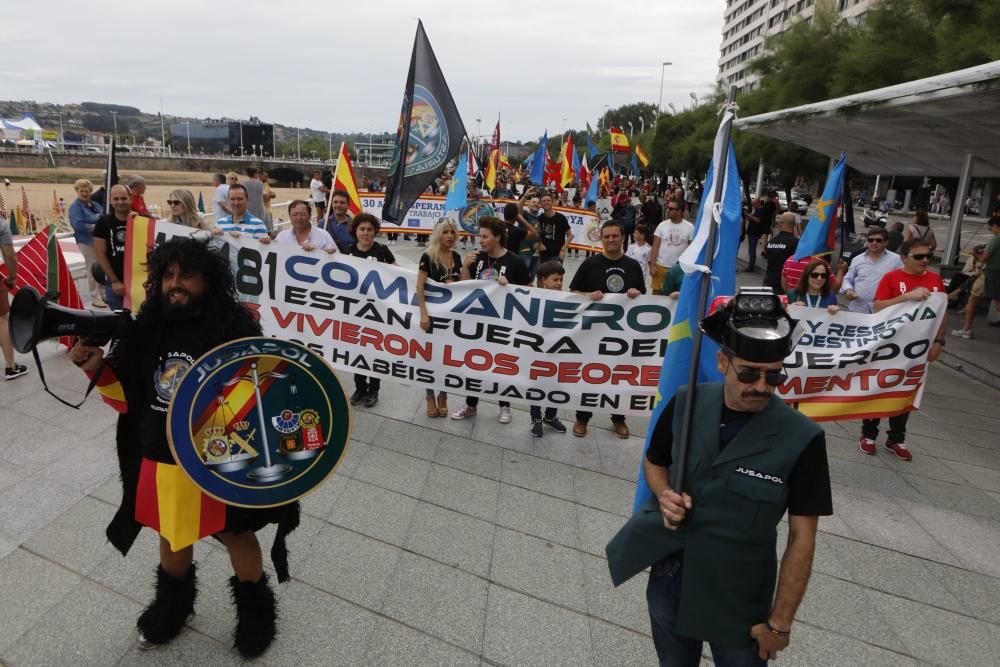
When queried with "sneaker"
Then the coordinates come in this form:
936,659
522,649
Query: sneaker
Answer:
371,400
556,425
536,428
464,412
899,449
358,396
16,371
868,446
963,333
505,416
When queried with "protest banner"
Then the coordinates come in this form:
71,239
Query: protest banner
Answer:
854,365
518,344
428,209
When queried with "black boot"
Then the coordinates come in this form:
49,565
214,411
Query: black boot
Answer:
163,619
256,615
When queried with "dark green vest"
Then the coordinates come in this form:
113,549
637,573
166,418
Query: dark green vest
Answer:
729,536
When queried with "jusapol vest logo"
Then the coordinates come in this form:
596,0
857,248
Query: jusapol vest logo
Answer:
759,475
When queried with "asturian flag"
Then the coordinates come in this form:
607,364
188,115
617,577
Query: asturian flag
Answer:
820,236
677,361
429,135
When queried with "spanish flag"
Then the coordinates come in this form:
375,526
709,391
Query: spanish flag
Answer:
343,179
641,154
491,170
566,175
139,235
619,142
171,504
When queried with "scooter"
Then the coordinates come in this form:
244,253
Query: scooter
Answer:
874,218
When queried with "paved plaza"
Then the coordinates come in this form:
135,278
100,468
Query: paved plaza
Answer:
439,542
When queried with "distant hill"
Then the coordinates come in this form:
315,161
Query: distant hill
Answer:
138,126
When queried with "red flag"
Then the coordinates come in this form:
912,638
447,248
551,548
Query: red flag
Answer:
496,136
32,271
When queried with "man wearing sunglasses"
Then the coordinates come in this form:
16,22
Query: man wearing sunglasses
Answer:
866,271
711,544
913,282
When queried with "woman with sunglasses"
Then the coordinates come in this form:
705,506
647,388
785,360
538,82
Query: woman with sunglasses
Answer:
441,264
183,210
813,289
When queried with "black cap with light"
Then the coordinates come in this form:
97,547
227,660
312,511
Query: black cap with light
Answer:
753,325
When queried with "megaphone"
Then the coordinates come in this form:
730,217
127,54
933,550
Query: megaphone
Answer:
34,318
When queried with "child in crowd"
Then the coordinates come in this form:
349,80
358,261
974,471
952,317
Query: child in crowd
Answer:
639,251
550,276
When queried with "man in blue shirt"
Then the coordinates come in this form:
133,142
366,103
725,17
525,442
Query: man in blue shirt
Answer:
866,271
240,221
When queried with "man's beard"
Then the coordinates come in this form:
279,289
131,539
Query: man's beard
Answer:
181,312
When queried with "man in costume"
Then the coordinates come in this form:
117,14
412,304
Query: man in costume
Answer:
192,308
711,544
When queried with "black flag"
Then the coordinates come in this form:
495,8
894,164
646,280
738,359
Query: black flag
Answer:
111,177
430,132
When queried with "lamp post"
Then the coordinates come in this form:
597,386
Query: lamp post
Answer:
630,129
163,131
298,144
642,125
663,71
694,100
188,123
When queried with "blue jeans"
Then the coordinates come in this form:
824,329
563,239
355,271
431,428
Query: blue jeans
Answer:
114,301
663,595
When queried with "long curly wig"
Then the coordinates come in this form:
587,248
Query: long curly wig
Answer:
226,317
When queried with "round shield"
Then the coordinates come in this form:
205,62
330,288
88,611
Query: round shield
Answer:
259,422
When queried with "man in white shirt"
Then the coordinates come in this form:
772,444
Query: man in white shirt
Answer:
303,233
866,271
317,191
670,240
220,200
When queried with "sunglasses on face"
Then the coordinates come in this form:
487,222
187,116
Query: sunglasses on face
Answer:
772,376
818,274
921,256
876,240
173,202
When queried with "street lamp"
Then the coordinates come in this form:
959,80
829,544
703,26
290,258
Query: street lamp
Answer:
630,129
663,70
642,125
188,123
694,99
673,109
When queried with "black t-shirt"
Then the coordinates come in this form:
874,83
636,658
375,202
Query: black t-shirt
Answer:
763,224
439,273
516,233
508,265
553,230
163,366
113,231
377,253
652,214
780,247
808,484
611,276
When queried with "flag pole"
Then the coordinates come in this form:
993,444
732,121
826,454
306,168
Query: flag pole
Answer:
107,179
680,461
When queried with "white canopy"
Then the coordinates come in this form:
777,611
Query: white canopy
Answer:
918,128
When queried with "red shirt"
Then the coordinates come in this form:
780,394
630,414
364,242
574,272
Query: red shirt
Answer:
793,268
899,282
139,206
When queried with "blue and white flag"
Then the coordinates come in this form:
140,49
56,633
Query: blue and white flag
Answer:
458,188
678,359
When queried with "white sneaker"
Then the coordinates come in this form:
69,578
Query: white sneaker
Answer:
504,414
464,412
963,333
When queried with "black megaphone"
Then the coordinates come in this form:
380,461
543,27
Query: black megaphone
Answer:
34,318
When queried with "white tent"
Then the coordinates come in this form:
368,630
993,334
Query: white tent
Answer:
16,129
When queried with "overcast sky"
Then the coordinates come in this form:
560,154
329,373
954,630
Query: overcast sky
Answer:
342,65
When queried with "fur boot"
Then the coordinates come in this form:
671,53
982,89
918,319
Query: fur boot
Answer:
163,619
256,615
